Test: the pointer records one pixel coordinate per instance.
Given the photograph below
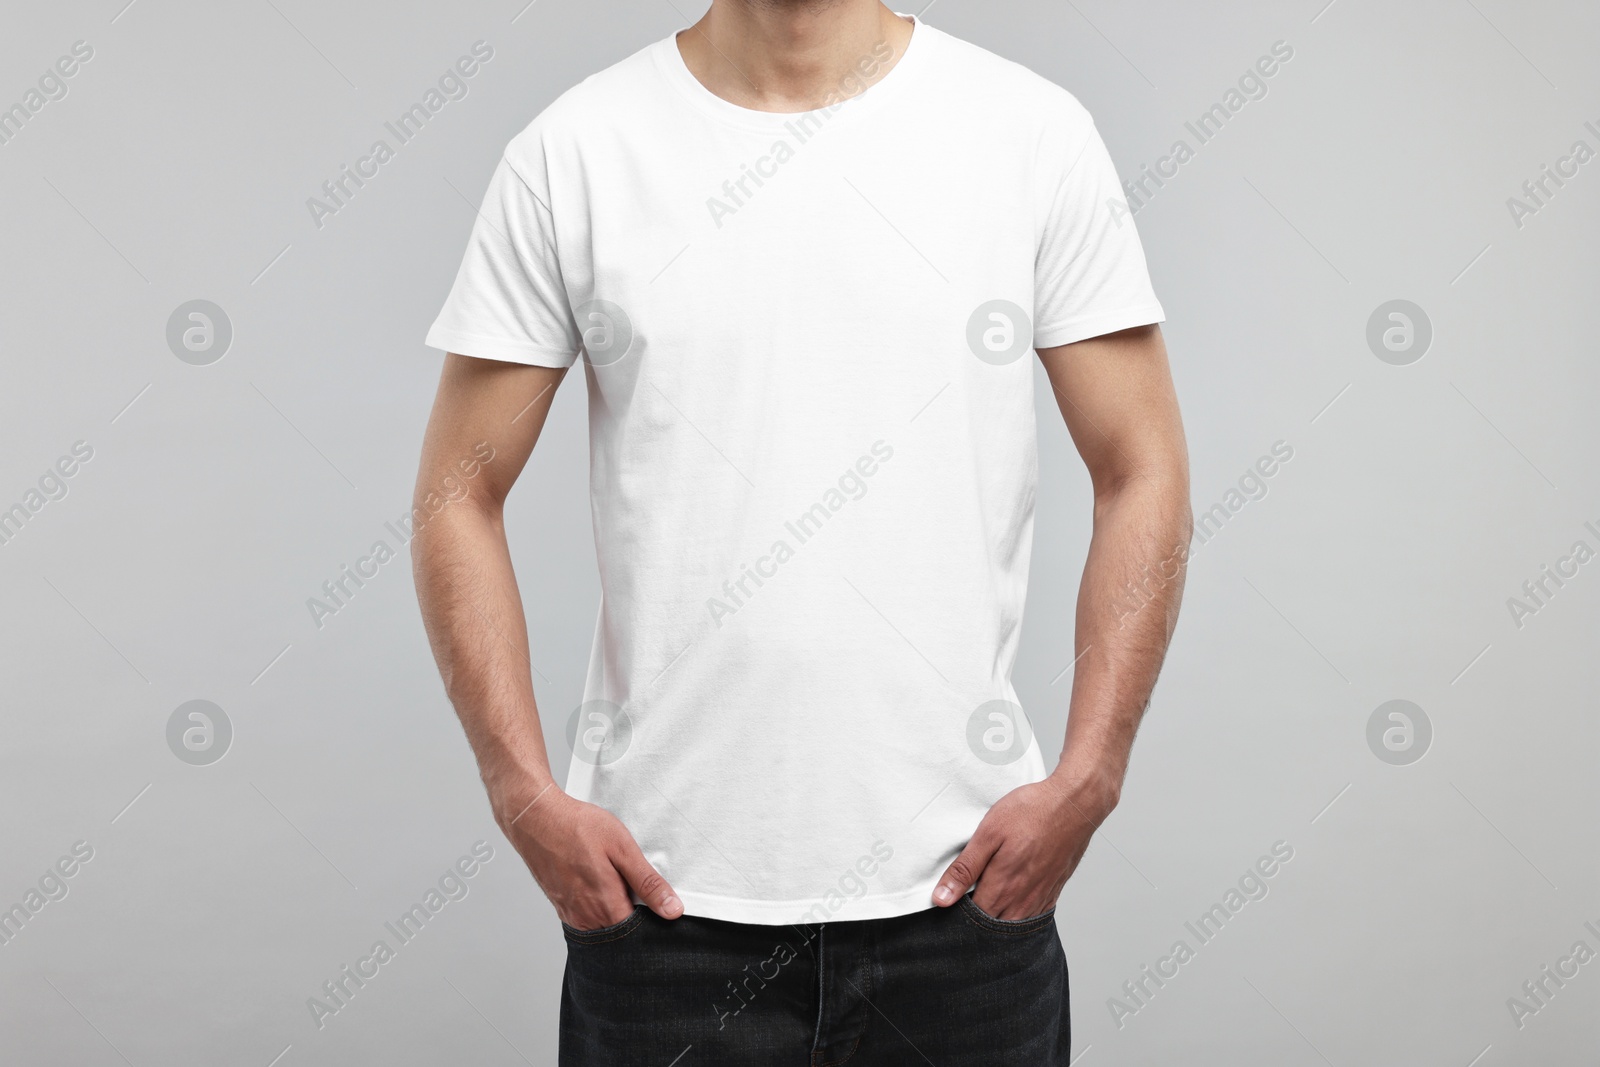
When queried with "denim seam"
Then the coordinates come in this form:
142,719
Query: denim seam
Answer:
606,934
977,917
822,980
855,1046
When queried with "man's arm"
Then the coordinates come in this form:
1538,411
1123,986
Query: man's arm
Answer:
1116,395
581,855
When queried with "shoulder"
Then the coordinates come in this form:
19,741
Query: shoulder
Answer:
1007,87
603,101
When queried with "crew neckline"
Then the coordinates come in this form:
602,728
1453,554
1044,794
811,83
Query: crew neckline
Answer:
672,65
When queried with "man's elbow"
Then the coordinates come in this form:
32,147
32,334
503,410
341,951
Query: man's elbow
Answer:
1157,503
449,509
1161,483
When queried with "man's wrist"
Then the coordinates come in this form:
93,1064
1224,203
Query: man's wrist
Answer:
512,794
1092,791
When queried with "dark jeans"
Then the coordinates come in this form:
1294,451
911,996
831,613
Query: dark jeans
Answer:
953,986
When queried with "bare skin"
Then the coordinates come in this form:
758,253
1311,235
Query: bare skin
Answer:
795,56
1115,393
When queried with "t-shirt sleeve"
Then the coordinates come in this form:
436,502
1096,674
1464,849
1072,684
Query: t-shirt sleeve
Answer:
508,301
1090,276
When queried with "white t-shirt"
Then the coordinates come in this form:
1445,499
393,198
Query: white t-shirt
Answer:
813,454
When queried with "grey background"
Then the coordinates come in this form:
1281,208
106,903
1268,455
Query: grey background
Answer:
220,497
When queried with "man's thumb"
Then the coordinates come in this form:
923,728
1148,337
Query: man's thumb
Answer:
647,882
963,872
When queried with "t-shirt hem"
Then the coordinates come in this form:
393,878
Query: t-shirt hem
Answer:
499,348
1081,329
814,910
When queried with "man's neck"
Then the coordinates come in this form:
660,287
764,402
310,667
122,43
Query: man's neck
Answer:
792,55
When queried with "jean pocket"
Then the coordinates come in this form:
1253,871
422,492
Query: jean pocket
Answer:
978,917
614,932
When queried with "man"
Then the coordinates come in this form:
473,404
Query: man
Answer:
805,249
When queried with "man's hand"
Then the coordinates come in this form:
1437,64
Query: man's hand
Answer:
1025,849
586,861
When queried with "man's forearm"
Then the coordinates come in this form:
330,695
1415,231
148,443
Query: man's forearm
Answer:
581,855
473,615
1127,609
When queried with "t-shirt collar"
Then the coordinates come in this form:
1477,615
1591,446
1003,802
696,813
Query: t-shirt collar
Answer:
669,60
